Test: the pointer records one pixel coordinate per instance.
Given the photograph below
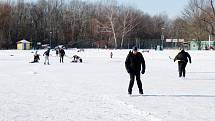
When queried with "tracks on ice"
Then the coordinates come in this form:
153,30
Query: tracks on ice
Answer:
131,110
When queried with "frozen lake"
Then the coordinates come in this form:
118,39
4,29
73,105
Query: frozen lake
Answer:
96,90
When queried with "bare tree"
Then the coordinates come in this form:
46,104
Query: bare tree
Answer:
199,18
73,22
111,13
204,11
129,20
5,17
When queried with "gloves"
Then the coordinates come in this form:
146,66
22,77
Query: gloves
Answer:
143,71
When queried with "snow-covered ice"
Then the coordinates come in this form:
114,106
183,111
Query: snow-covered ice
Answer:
96,90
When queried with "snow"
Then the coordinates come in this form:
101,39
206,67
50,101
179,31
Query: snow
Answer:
96,90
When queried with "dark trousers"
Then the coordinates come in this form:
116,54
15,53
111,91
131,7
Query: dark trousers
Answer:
131,84
181,68
61,59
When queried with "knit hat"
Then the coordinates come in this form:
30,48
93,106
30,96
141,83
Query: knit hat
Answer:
135,48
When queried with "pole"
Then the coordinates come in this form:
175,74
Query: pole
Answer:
50,41
209,39
162,38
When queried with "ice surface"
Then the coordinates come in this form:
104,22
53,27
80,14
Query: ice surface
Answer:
96,90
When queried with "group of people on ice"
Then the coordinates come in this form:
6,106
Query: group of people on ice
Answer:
135,61
134,64
59,51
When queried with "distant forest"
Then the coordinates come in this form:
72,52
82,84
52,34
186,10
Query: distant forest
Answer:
76,23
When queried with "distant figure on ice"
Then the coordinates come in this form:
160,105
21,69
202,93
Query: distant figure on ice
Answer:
80,50
57,51
111,54
62,53
182,61
76,59
133,64
36,58
46,54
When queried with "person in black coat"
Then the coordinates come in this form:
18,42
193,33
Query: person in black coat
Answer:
133,64
76,59
36,58
182,58
62,53
57,51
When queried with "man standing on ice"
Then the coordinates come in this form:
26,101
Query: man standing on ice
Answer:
133,64
182,61
46,53
62,53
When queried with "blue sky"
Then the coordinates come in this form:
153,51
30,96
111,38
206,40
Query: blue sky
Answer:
153,7
172,8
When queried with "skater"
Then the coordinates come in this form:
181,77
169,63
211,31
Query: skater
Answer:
36,58
76,59
181,57
62,53
57,51
111,54
133,64
46,54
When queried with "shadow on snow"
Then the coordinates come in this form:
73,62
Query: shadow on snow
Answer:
157,95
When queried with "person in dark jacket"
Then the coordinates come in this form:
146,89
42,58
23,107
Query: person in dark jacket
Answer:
133,64
46,54
57,51
36,58
76,59
182,58
111,54
62,53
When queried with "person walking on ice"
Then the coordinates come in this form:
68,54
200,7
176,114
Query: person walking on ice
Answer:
46,54
62,53
182,58
111,54
133,64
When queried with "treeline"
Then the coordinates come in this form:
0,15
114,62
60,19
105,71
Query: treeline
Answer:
197,21
77,23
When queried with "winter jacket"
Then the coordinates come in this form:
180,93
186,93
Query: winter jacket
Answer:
183,56
47,52
36,57
133,63
62,52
